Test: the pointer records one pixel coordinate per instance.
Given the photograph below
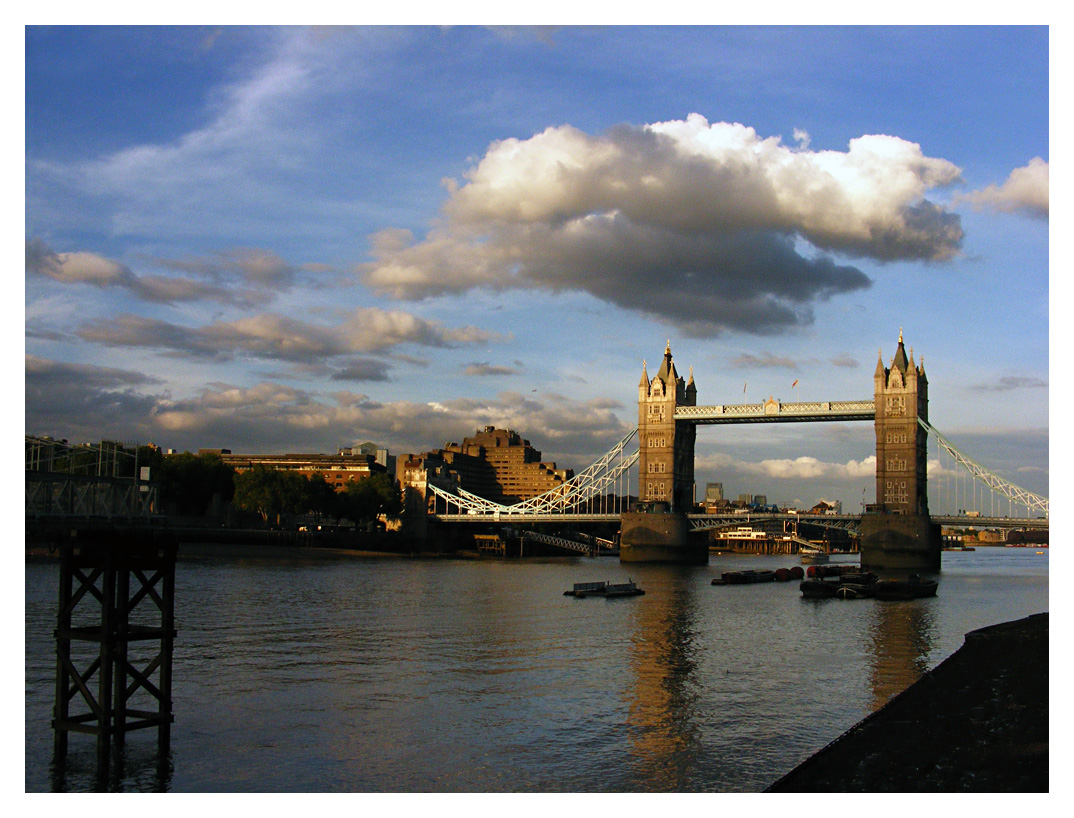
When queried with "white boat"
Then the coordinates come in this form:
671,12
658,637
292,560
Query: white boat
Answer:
809,555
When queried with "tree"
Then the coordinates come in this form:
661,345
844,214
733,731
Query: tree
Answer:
188,482
266,492
364,500
322,499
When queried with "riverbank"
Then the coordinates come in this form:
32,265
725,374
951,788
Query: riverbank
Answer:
978,722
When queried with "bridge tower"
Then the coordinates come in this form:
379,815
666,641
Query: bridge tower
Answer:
666,448
657,530
897,535
901,394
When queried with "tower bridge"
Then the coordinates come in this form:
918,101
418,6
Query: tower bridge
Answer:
898,531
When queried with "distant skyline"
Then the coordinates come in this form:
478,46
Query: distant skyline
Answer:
294,239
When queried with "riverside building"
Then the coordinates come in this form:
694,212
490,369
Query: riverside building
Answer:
338,469
497,464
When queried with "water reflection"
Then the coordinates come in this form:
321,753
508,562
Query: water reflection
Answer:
134,767
664,738
901,636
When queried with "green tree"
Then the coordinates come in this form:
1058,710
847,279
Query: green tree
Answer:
270,492
364,500
188,482
322,498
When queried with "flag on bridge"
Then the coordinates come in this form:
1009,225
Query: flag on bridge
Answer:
794,384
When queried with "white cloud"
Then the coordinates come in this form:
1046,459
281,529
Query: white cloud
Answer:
1026,189
281,337
95,270
570,431
799,468
709,212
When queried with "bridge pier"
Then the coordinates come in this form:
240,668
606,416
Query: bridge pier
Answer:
900,544
662,537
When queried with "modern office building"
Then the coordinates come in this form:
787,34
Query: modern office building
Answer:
713,493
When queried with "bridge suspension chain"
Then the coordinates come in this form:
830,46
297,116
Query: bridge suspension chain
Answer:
1012,492
584,486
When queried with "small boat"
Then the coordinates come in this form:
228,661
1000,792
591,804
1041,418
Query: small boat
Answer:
605,589
811,556
623,589
747,577
912,588
821,571
818,588
852,590
583,589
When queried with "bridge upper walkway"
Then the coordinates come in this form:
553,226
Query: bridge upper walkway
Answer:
773,411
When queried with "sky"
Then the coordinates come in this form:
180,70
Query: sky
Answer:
295,239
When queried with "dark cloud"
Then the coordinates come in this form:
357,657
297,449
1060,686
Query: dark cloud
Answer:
482,369
1012,382
363,369
767,360
86,402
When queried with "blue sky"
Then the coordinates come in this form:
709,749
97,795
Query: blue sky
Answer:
296,239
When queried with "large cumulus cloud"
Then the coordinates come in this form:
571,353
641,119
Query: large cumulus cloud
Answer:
697,224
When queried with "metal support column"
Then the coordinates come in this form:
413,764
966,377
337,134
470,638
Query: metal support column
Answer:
115,604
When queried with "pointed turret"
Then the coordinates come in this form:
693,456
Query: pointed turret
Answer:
880,370
644,376
667,369
691,390
899,361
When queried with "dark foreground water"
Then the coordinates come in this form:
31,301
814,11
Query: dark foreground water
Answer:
378,675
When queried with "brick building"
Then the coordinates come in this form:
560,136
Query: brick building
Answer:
497,464
338,469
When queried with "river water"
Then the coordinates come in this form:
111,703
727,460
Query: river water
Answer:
435,675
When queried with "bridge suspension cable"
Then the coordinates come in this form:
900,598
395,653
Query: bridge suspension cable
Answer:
978,472
593,482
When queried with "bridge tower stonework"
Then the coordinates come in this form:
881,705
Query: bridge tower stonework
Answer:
657,530
897,533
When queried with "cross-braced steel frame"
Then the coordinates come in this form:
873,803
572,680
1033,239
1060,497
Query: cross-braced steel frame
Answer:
114,635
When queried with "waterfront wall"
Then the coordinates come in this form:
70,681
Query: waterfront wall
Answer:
976,723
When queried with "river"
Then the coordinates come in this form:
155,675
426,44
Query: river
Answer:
444,675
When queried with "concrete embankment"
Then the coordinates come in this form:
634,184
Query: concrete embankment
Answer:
978,722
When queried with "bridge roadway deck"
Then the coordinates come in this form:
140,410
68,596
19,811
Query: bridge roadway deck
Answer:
698,521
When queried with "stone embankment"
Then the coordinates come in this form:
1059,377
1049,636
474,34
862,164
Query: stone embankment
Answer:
978,722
